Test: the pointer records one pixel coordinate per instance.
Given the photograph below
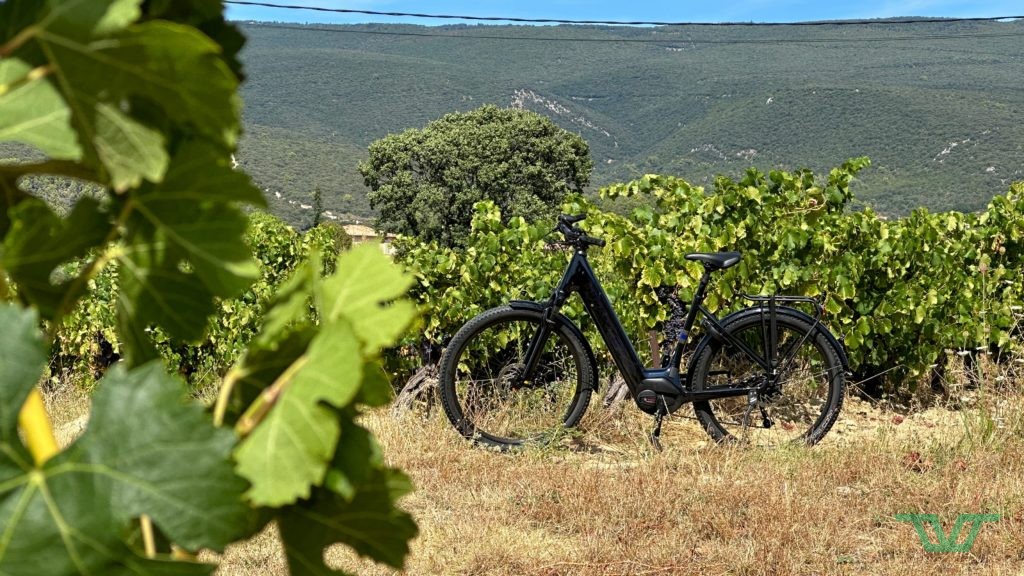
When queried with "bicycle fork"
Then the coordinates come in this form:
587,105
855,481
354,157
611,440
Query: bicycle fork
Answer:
540,337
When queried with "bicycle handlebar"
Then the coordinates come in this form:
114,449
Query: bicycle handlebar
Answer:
574,235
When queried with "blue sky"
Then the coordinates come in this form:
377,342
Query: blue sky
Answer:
660,10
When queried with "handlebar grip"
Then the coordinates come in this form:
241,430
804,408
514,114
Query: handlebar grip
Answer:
593,241
571,219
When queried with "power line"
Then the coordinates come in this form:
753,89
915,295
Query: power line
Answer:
616,22
639,40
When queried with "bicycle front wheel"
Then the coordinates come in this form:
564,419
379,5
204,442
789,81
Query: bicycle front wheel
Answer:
485,392
800,406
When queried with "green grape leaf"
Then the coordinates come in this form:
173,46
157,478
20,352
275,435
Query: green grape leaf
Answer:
368,522
70,515
219,182
154,290
149,110
376,389
10,196
33,112
290,449
22,359
97,62
14,16
184,246
358,457
197,218
155,60
206,15
261,365
364,291
81,20
40,241
290,303
128,149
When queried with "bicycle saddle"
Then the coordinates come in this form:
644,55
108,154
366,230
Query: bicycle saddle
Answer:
716,260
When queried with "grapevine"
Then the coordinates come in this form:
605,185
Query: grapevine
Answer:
901,293
140,99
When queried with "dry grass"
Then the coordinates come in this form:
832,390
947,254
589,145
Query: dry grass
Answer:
612,506
608,504
68,406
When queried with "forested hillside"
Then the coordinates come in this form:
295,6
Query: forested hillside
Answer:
940,115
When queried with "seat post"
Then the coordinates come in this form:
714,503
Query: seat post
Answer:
698,299
691,317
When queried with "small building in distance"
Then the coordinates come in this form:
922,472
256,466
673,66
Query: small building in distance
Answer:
363,233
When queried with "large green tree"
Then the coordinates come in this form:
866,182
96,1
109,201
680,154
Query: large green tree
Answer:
425,181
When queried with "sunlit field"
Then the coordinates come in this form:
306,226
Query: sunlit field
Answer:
604,502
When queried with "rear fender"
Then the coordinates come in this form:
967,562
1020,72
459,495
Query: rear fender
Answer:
780,310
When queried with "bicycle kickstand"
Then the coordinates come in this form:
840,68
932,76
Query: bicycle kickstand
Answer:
752,401
656,434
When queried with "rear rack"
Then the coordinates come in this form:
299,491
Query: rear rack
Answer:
779,298
774,299
769,327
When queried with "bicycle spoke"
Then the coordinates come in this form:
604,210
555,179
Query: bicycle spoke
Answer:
499,401
789,407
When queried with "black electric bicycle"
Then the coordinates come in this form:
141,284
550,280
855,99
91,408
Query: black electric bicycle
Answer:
767,374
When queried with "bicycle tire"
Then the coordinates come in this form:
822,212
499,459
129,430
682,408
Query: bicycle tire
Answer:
805,404
481,361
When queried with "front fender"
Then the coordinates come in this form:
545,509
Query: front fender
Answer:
527,305
560,318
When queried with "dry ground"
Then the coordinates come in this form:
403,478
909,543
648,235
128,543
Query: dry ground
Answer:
611,505
616,507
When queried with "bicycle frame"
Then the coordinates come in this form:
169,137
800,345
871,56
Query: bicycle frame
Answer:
579,277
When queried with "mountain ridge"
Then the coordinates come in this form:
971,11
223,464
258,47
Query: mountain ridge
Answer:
693,101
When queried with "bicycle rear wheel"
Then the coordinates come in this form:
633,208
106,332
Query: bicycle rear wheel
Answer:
800,407
483,389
